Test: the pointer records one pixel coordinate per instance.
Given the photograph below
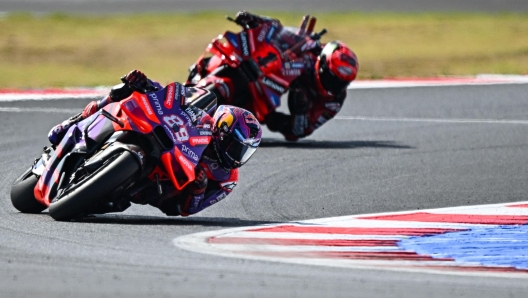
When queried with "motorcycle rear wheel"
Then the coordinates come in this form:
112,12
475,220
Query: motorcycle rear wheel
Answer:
80,196
22,193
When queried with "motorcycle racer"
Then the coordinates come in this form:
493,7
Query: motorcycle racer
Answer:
235,133
315,97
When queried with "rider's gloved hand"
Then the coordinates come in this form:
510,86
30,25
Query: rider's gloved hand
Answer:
137,80
247,19
90,109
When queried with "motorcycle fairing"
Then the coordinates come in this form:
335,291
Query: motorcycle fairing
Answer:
178,123
268,70
142,113
72,146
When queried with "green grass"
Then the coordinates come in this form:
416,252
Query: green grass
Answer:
75,50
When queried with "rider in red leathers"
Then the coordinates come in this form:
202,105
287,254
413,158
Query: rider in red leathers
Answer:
314,97
235,133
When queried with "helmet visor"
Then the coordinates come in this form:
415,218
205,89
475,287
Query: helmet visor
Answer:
330,81
236,150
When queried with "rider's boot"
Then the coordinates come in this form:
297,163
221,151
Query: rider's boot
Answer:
280,122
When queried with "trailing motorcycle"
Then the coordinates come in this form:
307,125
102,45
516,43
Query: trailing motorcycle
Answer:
120,150
257,66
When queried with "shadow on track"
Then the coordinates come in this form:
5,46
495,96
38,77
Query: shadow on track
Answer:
170,221
309,144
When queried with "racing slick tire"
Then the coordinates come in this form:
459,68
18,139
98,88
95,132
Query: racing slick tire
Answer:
80,195
23,193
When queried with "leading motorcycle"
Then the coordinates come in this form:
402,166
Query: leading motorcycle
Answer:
119,151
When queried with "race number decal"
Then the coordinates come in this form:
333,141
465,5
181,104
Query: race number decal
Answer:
178,126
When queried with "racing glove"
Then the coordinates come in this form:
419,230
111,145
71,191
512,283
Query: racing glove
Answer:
247,19
136,78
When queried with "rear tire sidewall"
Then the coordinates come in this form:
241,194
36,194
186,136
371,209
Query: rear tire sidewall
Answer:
99,184
23,193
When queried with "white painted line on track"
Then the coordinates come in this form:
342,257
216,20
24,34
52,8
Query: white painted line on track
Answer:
23,97
439,82
434,120
7,95
38,110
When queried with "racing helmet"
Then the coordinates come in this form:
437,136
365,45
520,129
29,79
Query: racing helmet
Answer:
236,135
336,67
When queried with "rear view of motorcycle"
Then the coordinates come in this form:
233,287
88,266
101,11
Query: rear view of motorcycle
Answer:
119,151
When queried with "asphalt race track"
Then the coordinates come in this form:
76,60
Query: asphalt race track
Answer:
389,161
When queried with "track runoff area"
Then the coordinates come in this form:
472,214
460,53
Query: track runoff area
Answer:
488,240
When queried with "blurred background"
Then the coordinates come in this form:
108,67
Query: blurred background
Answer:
70,43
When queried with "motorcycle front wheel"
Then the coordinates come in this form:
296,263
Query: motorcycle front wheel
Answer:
23,195
83,193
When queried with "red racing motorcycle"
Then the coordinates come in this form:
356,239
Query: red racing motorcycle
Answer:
258,66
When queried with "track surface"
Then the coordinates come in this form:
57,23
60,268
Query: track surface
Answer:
113,6
385,162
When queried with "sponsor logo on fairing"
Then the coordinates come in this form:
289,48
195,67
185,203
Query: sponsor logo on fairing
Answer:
245,47
263,32
205,133
191,114
273,85
186,163
189,152
169,97
199,140
155,99
271,31
146,105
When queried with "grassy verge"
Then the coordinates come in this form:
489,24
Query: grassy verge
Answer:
75,50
